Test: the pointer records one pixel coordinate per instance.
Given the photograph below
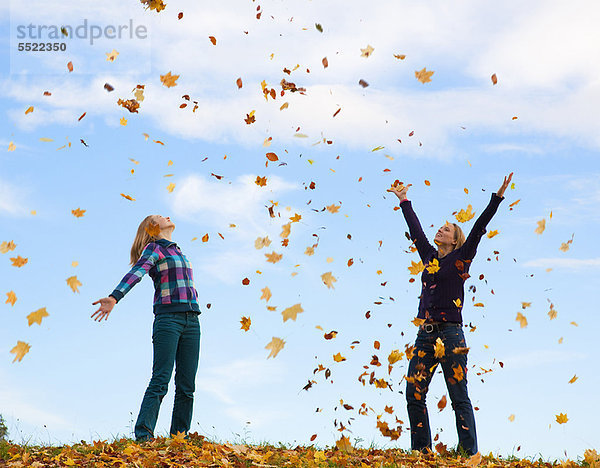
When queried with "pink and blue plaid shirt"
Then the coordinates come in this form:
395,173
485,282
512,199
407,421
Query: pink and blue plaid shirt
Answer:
171,272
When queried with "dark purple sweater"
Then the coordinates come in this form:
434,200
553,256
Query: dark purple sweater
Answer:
445,286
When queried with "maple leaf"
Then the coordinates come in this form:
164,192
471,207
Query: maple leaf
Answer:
338,357
37,316
273,257
524,305
139,93
309,251
130,104
20,350
171,187
157,5
275,346
266,294
552,313
492,234
521,319
245,321
12,298
111,56
153,229
433,266
78,213
564,246
438,349
541,226
423,76
416,268
250,118
366,52
474,460
74,283
395,356
296,218
292,312
286,229
328,280
260,181
561,418
333,208
463,216
417,322
261,242
442,403
169,80
344,445
7,246
18,261
458,373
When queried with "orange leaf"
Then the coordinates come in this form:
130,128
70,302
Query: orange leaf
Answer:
245,321
238,82
205,238
272,157
423,75
70,66
494,79
273,257
169,80
37,316
338,357
20,350
442,403
213,40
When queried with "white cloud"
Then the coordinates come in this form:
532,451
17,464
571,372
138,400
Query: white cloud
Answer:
564,263
11,199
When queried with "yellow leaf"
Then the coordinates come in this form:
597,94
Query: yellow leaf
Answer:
6,246
416,268
272,308
395,356
309,251
47,140
524,305
128,197
573,379
423,75
123,121
285,105
458,373
474,460
78,213
261,242
29,110
561,418
20,350
267,141
366,52
433,266
171,187
344,445
245,321
574,324
286,229
296,218
275,346
111,56
273,257
338,357
400,56
552,313
169,80
438,348
541,226
328,280
511,418
292,312
478,304
330,260
377,148
11,146
37,316
12,298
521,319
74,283
463,216
492,234
417,322
266,293
334,208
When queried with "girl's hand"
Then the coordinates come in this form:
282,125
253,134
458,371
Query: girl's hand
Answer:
106,306
399,191
500,192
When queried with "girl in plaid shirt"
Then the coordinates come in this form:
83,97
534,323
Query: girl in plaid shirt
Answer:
176,329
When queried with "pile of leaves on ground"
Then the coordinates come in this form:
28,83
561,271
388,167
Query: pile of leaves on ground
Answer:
196,450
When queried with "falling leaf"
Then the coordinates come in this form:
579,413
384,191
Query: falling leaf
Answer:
266,294
344,445
272,157
130,104
78,213
552,313
7,246
292,312
29,110
12,298
573,379
458,373
338,357
267,141
73,283
463,216
328,280
309,251
492,234
296,218
334,208
423,75
366,52
521,319
286,229
273,257
363,83
37,316
261,242
433,266
204,237
400,56
18,261
213,40
275,346
325,62
329,336
438,348
541,226
561,418
319,27
46,140
245,321
511,418
494,79
11,146
70,66
416,268
111,56
123,121
417,322
395,356
169,80
245,281
443,401
20,350
128,197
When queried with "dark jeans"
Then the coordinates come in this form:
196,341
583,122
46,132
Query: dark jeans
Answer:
176,342
420,372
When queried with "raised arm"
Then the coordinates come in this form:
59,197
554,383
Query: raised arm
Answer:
469,248
424,248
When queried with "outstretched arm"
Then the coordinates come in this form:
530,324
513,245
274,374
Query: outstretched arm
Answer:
424,248
469,248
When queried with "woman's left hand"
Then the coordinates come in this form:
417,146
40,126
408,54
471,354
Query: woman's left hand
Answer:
500,192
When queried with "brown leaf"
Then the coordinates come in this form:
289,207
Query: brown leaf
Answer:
494,79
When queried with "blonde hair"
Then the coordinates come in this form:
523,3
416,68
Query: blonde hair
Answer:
142,238
459,236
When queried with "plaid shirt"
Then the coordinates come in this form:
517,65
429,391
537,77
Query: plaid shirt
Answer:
171,272
439,299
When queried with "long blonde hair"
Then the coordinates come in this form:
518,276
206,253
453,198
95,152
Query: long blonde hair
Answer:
459,236
142,238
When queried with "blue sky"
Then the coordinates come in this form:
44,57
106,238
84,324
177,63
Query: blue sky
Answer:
85,380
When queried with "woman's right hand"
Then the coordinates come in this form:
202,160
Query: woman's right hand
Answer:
399,191
106,306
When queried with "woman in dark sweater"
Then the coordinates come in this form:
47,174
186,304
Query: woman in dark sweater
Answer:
440,339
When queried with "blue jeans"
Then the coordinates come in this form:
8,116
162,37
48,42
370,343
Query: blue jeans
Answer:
176,343
420,372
